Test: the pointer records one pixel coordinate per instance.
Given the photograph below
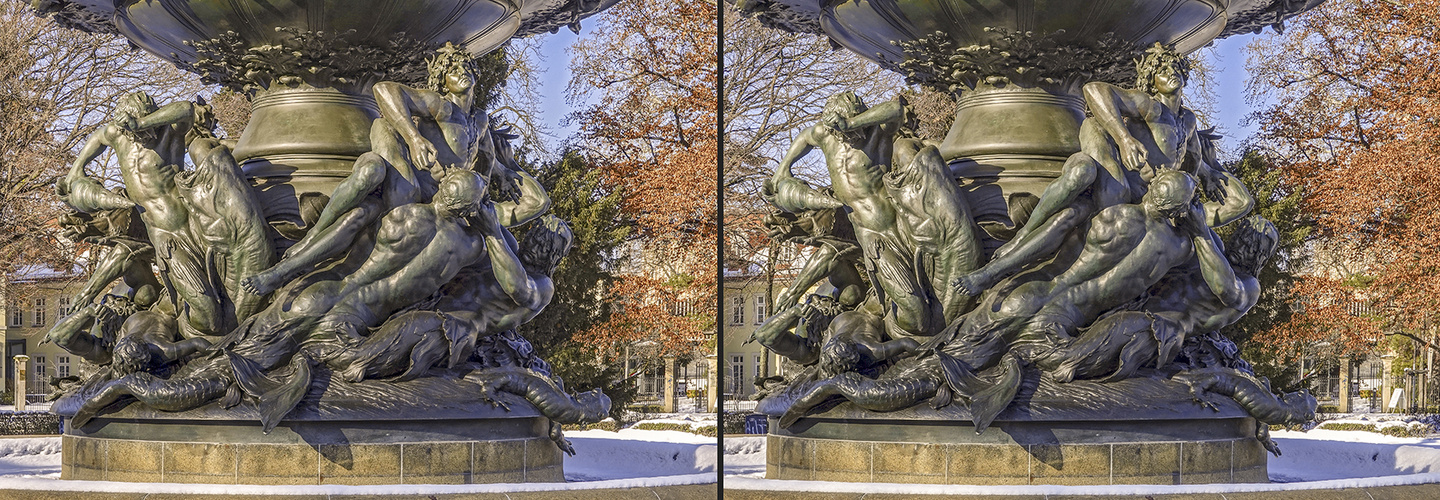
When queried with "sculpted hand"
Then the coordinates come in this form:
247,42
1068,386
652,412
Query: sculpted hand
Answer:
1195,220
838,123
485,218
422,152
509,184
1132,152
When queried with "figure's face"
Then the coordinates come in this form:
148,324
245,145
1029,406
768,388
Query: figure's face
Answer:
458,81
1167,79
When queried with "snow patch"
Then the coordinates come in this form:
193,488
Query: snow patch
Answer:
604,460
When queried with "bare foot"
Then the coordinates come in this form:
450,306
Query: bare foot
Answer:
969,284
263,283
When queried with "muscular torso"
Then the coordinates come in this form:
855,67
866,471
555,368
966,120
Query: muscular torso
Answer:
457,139
1165,136
149,181
1125,252
415,253
478,297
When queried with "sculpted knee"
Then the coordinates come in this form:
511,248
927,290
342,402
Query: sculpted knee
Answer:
370,169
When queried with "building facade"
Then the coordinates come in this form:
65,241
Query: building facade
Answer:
32,304
748,299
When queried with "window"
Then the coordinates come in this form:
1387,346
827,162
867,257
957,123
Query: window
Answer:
737,374
62,366
39,372
64,307
760,313
737,310
17,315
757,367
39,312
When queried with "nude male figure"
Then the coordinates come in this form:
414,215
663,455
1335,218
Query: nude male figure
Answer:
418,248
858,145
481,300
150,143
438,128
1217,291
1152,132
1127,249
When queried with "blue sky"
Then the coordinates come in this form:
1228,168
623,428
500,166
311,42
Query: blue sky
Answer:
1230,79
557,74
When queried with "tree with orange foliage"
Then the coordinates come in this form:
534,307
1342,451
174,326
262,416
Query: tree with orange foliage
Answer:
647,70
1355,124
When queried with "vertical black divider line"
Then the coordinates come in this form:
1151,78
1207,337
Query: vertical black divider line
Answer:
719,373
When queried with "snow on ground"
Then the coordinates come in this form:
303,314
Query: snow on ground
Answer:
629,458
1323,454
745,456
1318,459
631,453
694,420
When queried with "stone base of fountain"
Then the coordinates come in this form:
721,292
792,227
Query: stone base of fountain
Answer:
427,431
1137,431
1166,452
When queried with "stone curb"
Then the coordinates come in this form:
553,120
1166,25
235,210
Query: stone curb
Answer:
1405,492
679,492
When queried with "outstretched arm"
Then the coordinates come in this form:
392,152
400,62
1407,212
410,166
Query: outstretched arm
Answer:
1235,203
509,272
801,147
776,335
169,114
534,201
93,147
889,112
1110,105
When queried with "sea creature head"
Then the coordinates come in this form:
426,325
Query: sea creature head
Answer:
1252,244
545,244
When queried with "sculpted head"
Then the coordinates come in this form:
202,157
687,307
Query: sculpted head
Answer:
545,244
1252,244
1161,70
838,356
1170,193
452,70
460,192
843,105
132,107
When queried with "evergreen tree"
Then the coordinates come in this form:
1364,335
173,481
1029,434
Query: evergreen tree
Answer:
579,195
1278,201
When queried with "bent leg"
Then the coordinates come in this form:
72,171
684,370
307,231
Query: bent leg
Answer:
1030,249
369,173
326,244
1076,176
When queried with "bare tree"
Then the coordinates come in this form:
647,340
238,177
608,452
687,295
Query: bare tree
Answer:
56,87
775,85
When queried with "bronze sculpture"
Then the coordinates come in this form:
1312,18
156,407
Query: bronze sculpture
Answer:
1107,293
393,287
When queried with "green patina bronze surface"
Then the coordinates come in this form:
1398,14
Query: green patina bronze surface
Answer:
348,256
1051,262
